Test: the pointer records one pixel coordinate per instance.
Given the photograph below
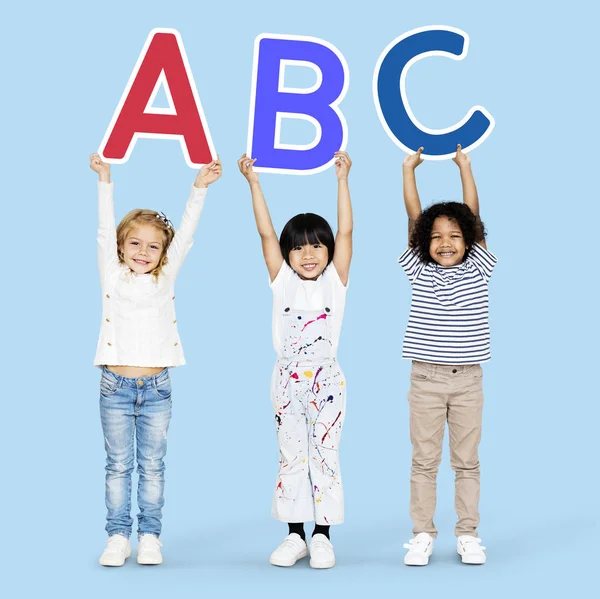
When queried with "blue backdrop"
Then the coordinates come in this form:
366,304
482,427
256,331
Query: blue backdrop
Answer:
65,67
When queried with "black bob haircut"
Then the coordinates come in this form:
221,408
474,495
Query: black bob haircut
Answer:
472,228
305,229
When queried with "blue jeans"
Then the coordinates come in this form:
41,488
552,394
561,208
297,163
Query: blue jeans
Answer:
135,408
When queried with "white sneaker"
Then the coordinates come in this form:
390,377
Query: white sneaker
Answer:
419,550
148,550
470,550
290,551
117,550
321,552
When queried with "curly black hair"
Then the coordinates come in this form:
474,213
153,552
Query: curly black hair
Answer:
472,228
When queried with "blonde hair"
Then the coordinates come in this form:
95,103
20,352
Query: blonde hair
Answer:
138,217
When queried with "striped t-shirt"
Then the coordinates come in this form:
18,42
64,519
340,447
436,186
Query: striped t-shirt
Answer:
448,321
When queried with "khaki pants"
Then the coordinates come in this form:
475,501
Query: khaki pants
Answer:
440,393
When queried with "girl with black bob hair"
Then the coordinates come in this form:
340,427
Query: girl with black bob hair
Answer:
307,228
308,270
447,338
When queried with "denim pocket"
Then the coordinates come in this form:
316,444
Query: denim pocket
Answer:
108,385
163,388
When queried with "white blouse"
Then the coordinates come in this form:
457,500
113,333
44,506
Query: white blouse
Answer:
139,326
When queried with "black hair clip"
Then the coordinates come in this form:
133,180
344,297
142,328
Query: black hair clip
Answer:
165,219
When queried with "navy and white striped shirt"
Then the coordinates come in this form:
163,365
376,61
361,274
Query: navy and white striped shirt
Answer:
448,321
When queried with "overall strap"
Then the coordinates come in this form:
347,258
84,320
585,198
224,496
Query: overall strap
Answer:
290,292
328,307
289,295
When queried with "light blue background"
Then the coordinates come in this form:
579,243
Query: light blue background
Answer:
65,66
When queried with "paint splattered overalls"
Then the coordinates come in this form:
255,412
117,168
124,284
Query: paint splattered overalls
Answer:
309,394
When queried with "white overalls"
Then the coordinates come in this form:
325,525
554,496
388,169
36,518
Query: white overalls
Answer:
308,392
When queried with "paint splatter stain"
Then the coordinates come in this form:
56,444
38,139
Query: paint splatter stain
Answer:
321,317
327,431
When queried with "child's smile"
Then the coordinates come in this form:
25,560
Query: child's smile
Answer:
309,267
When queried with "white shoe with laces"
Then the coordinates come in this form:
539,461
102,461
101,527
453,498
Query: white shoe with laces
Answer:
321,552
470,550
117,550
148,550
419,550
290,551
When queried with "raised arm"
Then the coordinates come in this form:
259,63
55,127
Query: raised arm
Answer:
107,232
270,242
470,197
184,236
343,239
409,186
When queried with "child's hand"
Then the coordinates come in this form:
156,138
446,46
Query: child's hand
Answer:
412,161
208,174
461,158
100,167
342,165
245,166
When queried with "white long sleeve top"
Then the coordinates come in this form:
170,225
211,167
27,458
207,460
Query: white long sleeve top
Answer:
139,326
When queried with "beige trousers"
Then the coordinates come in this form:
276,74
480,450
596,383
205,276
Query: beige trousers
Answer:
440,393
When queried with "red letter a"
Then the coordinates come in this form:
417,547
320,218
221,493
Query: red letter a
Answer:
162,60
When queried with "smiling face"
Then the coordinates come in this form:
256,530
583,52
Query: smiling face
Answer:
447,246
143,248
309,260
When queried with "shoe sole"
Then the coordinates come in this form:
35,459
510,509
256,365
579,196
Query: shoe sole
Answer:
416,563
322,566
472,561
284,564
147,562
114,564
416,558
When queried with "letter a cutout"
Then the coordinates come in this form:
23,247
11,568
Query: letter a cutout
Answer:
162,62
